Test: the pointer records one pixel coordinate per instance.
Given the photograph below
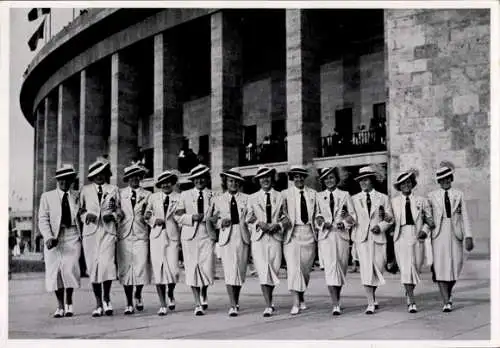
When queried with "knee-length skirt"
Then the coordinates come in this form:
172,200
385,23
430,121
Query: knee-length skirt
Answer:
372,259
409,254
334,257
199,259
62,269
164,259
234,256
133,261
448,253
99,250
299,255
267,255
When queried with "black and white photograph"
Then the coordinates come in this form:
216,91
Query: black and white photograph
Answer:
260,171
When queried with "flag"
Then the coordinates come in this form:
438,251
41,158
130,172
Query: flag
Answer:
37,35
35,13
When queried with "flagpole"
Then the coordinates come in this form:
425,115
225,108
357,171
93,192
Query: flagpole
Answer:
50,24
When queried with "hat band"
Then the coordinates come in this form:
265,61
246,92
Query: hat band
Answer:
65,172
444,172
232,173
133,171
403,177
198,171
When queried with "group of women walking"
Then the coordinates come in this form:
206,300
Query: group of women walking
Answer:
144,231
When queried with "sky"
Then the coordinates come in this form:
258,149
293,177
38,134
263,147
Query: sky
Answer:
21,135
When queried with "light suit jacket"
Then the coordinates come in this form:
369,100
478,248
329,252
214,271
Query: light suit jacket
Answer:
188,206
132,217
89,203
222,207
257,209
155,206
340,198
312,209
459,217
366,222
420,209
50,213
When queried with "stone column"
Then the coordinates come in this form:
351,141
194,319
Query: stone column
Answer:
38,156
124,114
168,87
93,112
68,125
50,143
302,89
438,100
227,93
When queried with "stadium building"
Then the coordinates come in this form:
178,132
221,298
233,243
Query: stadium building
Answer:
398,88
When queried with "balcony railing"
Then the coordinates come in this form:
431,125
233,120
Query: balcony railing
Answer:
357,142
275,151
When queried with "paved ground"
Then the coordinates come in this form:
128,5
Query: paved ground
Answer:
30,309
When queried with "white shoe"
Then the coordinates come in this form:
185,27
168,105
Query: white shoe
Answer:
68,310
370,309
199,311
268,312
162,311
295,310
97,312
108,309
171,303
233,312
128,310
447,308
59,313
302,306
412,308
336,310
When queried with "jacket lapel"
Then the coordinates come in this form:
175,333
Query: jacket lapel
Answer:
275,204
375,203
261,201
57,201
455,200
291,204
414,210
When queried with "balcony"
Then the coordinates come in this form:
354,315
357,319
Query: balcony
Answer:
267,152
365,141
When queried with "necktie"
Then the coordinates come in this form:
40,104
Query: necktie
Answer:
99,193
66,211
200,203
303,208
332,204
165,204
368,203
268,207
133,198
235,218
447,204
409,217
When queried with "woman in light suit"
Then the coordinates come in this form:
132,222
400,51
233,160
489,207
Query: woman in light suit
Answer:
192,211
266,212
374,217
133,238
99,204
411,215
452,231
300,236
335,217
234,240
164,238
58,224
